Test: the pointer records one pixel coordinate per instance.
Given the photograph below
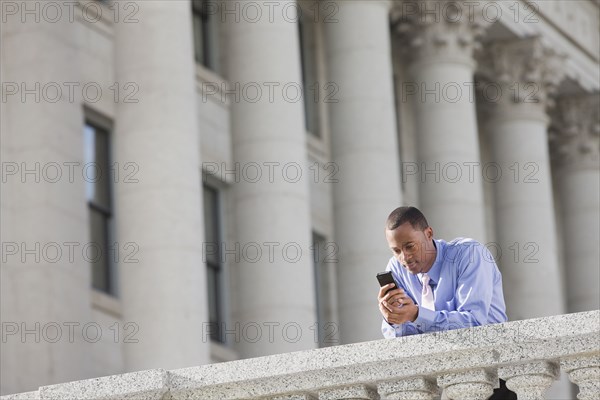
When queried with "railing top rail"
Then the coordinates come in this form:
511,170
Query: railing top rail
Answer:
549,338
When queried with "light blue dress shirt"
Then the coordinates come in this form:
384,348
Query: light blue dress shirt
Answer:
467,290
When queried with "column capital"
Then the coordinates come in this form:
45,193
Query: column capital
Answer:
439,30
525,71
575,132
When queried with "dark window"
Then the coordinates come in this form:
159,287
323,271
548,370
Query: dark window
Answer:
312,91
205,34
213,262
97,174
398,133
323,253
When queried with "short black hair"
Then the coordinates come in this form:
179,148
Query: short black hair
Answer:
402,215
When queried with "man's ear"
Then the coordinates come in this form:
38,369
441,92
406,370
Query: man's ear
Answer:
429,232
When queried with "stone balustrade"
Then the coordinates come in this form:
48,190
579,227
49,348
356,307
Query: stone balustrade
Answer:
466,363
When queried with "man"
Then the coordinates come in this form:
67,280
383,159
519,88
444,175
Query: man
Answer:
441,285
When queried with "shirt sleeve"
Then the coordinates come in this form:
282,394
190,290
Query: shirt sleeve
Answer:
472,296
390,331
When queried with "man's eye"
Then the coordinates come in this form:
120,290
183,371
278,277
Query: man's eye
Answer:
410,246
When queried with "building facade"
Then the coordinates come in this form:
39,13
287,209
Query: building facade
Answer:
188,182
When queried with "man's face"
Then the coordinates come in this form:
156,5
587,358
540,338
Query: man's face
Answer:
412,248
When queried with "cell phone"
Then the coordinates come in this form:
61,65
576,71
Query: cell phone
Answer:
386,277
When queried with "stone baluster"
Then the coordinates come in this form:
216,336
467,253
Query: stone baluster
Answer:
585,372
530,381
477,384
354,392
297,396
408,389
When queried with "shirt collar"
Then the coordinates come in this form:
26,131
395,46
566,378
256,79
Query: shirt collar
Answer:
436,268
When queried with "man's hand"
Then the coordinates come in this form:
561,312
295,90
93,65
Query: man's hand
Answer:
396,306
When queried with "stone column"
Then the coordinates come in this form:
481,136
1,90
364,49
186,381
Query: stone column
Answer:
439,44
517,124
165,292
574,141
45,281
518,80
364,148
274,289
